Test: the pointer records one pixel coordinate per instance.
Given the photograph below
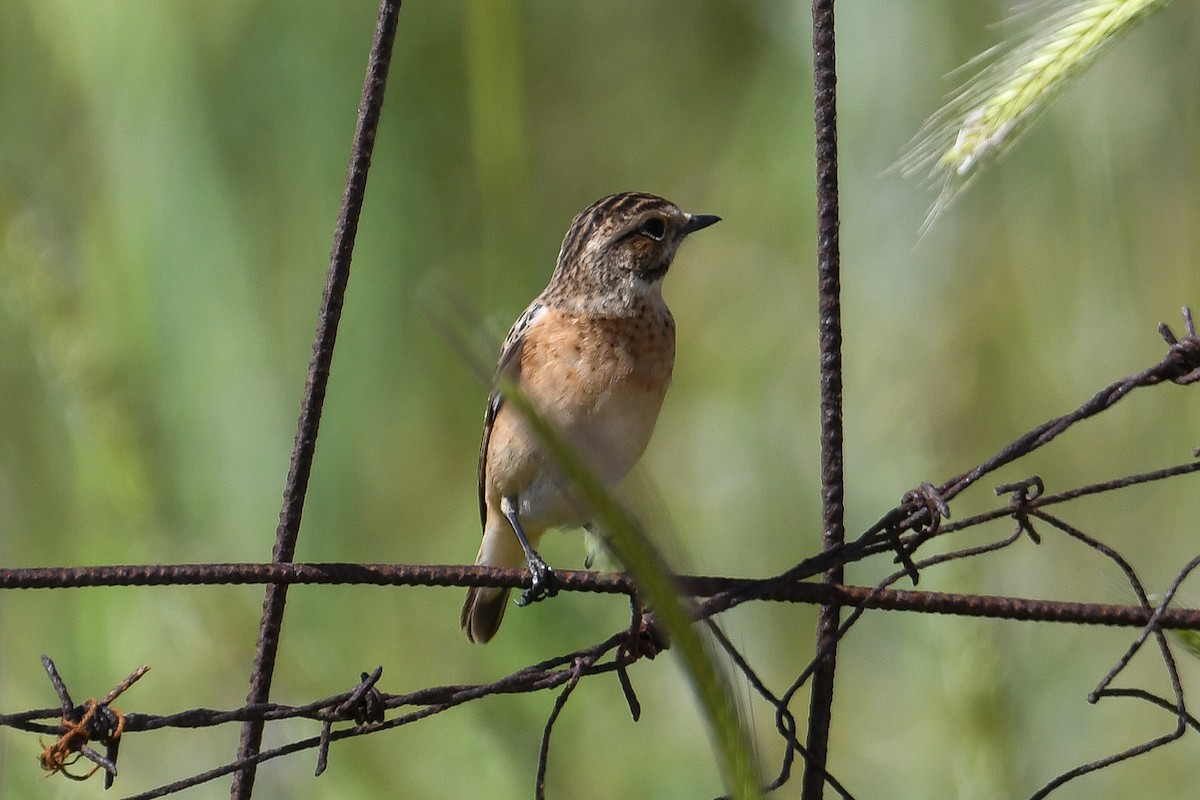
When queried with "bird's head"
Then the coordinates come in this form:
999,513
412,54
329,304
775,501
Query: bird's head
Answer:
623,244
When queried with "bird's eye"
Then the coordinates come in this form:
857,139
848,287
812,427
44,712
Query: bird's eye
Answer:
655,228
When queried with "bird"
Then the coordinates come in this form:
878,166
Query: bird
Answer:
593,353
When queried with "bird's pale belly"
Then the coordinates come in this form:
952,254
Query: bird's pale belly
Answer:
603,391
610,439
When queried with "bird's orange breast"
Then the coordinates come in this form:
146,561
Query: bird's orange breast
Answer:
600,381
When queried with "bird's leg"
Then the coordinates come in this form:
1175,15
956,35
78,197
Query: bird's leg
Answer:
544,583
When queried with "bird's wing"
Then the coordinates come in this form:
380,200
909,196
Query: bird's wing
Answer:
510,365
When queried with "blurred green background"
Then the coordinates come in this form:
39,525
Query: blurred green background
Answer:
169,178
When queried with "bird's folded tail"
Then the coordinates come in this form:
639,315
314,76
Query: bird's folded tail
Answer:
483,612
484,609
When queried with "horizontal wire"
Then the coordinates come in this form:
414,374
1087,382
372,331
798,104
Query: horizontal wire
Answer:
970,605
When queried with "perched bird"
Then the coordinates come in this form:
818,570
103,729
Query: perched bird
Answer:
593,353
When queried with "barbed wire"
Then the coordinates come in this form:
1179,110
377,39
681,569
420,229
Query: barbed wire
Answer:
620,650
916,522
921,516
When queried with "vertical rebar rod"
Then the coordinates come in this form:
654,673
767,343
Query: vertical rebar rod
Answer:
830,341
305,443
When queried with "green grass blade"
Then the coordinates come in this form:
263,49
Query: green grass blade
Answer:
655,583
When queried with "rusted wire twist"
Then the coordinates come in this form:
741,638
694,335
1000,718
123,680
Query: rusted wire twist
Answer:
95,720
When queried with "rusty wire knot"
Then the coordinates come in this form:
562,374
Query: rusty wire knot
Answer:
921,510
1183,353
95,720
646,639
365,706
1024,493
927,498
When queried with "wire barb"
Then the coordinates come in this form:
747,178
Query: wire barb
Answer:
1185,352
365,705
921,510
92,721
1024,494
579,668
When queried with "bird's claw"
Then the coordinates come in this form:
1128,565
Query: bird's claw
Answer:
544,583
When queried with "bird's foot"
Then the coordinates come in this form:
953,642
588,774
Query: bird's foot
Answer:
544,583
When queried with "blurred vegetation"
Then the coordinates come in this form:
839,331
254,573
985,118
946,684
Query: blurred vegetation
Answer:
169,179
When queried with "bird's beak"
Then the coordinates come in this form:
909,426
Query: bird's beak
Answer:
697,221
